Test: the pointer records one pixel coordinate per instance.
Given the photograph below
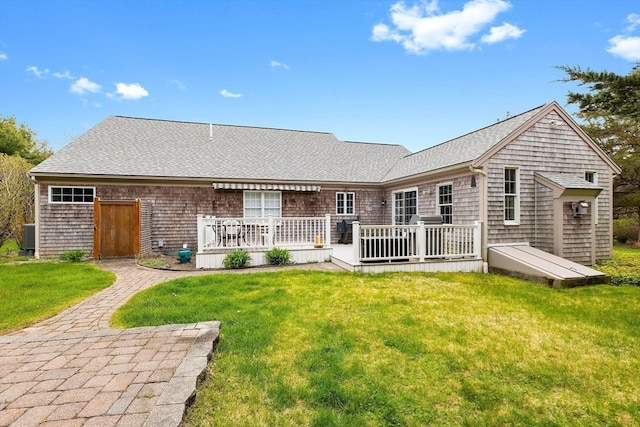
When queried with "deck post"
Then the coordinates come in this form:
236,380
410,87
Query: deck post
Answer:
355,235
270,238
327,231
477,239
421,241
201,234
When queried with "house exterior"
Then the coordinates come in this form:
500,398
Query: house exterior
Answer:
535,177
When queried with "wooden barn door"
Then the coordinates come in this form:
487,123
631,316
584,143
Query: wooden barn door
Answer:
116,228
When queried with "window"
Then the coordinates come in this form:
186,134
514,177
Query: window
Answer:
405,205
511,196
261,204
345,203
445,203
59,194
592,177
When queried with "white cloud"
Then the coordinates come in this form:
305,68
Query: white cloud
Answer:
502,33
276,64
83,85
634,21
65,75
625,47
131,91
178,83
3,56
228,94
41,74
422,28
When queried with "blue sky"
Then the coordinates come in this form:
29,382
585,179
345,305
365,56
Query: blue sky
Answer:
410,73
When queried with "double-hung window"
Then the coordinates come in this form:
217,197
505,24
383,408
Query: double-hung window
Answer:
63,194
345,203
511,196
261,204
445,203
405,205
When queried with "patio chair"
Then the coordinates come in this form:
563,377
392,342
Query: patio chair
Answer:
210,236
232,231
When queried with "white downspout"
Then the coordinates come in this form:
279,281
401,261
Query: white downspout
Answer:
36,219
484,215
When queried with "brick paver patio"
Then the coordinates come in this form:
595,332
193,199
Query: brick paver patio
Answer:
73,370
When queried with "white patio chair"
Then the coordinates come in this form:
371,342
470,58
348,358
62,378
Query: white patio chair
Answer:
233,232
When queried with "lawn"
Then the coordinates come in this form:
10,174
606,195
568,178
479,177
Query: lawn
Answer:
321,349
33,291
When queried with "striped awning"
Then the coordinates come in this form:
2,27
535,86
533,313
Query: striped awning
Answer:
264,187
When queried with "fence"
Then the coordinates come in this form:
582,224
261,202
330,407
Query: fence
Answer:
269,232
420,242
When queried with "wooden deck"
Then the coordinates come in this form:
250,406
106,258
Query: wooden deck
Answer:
343,256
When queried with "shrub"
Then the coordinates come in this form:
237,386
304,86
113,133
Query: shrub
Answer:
278,256
236,259
624,267
73,256
625,229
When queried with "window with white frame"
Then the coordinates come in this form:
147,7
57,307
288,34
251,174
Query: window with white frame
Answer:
65,194
261,204
345,203
511,195
445,202
405,205
592,177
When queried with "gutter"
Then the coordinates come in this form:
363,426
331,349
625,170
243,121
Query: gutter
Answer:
484,208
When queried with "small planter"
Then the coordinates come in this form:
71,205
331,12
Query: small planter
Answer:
318,243
184,255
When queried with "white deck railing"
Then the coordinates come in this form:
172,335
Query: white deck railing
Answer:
418,242
270,232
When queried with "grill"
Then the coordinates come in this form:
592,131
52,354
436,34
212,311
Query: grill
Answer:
345,227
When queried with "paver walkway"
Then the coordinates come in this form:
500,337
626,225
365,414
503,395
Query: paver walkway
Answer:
73,370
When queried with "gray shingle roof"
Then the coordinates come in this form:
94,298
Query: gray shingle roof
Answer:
135,147
568,181
170,149
460,150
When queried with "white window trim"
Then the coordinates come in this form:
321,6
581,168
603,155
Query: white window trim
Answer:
595,202
438,205
516,220
50,194
393,201
262,193
345,193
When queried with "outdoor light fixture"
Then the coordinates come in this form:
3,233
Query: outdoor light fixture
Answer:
579,208
473,181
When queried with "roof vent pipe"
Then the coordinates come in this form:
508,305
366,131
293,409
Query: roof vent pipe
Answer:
210,130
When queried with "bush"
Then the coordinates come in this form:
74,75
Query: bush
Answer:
236,259
277,256
624,267
73,256
625,229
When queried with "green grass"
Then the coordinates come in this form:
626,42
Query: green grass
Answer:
338,349
33,291
624,267
9,252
